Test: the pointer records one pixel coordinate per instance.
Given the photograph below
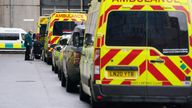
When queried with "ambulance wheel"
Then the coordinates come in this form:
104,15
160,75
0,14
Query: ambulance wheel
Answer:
70,86
53,68
49,61
63,80
82,95
37,57
59,74
56,69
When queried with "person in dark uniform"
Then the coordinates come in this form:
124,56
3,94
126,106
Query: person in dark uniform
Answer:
28,45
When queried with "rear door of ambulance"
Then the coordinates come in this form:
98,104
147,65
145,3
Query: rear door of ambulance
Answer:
169,63
123,51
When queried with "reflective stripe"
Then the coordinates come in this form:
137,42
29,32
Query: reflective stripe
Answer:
54,40
137,7
156,73
8,45
155,7
105,59
174,69
2,45
16,45
187,60
130,57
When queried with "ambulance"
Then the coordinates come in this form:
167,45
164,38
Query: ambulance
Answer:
12,39
137,51
41,27
40,36
60,23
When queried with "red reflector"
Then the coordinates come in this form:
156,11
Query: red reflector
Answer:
100,97
96,76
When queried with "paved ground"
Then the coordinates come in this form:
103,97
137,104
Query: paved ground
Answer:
32,84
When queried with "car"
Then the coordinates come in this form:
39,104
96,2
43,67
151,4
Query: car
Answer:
70,75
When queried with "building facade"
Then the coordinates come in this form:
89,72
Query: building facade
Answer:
25,13
19,13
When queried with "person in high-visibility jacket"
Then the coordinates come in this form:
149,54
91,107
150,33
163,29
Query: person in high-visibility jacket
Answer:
28,45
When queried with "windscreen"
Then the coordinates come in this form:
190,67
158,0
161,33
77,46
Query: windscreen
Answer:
165,31
61,27
9,36
43,29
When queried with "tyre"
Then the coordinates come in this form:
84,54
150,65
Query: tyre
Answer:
56,69
53,68
70,86
63,80
82,95
59,75
49,61
37,57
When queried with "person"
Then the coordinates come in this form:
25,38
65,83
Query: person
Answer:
28,45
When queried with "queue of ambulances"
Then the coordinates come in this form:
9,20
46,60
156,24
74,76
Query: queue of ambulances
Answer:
137,51
60,23
12,39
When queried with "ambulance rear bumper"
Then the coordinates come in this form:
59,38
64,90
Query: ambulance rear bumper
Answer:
113,93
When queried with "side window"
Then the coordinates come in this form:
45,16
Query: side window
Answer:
23,36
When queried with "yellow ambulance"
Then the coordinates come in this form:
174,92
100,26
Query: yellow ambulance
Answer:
41,27
60,24
137,51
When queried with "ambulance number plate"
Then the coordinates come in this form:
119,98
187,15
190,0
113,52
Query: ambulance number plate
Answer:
123,74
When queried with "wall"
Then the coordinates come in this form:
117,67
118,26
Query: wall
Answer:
14,12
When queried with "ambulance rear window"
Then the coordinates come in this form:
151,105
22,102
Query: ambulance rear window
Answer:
9,36
43,29
61,27
165,31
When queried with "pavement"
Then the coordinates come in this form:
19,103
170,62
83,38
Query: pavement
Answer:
32,84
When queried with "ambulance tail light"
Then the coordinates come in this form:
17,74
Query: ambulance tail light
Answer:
97,64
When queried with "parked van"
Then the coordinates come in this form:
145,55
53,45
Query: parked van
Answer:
137,51
60,24
11,39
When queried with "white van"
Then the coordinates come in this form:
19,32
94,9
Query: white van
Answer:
11,39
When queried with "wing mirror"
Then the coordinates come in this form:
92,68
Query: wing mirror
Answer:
76,39
88,39
63,41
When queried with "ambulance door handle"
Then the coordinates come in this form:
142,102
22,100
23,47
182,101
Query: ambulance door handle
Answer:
157,61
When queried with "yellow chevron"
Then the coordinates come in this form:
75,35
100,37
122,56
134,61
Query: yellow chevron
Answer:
168,74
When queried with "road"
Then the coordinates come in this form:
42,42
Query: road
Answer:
32,84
